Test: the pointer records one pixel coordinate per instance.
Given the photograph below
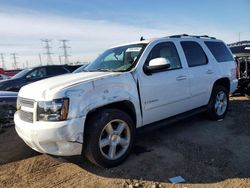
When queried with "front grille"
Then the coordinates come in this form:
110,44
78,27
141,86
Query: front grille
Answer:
26,102
26,116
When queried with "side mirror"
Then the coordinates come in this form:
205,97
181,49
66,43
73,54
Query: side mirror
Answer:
28,77
157,64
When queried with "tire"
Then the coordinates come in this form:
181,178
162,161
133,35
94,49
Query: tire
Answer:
109,137
218,104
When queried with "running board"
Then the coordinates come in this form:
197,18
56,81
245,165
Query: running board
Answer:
170,120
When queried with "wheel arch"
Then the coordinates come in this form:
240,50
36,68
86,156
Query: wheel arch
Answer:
225,82
125,105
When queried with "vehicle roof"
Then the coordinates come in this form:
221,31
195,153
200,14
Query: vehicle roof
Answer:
174,38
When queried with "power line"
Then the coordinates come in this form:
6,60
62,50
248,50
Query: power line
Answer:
65,47
48,53
3,62
14,60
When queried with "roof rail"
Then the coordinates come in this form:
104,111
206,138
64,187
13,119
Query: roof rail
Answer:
195,36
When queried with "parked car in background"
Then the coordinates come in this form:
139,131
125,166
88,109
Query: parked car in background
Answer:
241,50
7,106
81,68
9,73
4,77
30,75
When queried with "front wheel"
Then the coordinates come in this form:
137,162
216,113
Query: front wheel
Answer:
218,104
109,137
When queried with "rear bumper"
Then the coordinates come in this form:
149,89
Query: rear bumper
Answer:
56,138
233,86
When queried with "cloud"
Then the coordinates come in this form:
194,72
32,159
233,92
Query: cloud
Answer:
21,32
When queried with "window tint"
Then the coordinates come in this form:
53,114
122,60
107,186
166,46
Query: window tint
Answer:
37,73
194,53
219,51
166,50
52,71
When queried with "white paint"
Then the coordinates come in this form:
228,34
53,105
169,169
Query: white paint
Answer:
162,95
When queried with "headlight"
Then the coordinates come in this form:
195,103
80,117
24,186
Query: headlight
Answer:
18,105
56,110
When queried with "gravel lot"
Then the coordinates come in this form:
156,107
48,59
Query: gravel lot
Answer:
203,152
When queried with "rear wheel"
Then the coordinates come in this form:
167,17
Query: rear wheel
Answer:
218,104
109,137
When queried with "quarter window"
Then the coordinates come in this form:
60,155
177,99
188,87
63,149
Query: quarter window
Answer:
219,51
195,55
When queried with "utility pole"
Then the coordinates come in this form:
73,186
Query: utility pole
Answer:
60,59
27,63
48,53
65,53
40,59
3,62
14,60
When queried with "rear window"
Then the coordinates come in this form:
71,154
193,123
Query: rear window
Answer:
53,71
219,51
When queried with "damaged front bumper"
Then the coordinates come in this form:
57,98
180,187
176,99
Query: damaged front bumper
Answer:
62,138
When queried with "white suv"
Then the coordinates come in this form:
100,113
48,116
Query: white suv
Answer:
149,82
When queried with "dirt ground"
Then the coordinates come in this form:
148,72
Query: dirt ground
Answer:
203,152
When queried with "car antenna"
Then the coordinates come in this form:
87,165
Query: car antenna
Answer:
141,39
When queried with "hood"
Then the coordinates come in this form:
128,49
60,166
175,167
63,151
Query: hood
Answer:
6,83
46,88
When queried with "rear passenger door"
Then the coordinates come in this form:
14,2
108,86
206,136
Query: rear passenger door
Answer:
201,72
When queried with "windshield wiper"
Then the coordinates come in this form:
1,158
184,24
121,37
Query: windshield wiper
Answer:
101,70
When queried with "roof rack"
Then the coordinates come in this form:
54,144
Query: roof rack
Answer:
195,36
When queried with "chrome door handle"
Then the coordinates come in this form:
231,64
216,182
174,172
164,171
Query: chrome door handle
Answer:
210,71
182,77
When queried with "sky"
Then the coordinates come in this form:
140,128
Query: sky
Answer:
93,26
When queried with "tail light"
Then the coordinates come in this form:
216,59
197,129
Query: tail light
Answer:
235,71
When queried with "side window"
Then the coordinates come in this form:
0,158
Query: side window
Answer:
194,53
37,73
52,71
219,51
166,50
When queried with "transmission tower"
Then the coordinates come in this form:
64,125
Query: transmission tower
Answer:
3,62
65,53
14,60
48,53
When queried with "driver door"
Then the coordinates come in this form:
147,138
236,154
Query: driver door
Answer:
164,93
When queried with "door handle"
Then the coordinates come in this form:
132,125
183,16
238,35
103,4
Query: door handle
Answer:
210,71
180,78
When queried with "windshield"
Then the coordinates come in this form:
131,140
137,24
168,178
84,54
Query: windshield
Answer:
21,74
81,68
118,59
